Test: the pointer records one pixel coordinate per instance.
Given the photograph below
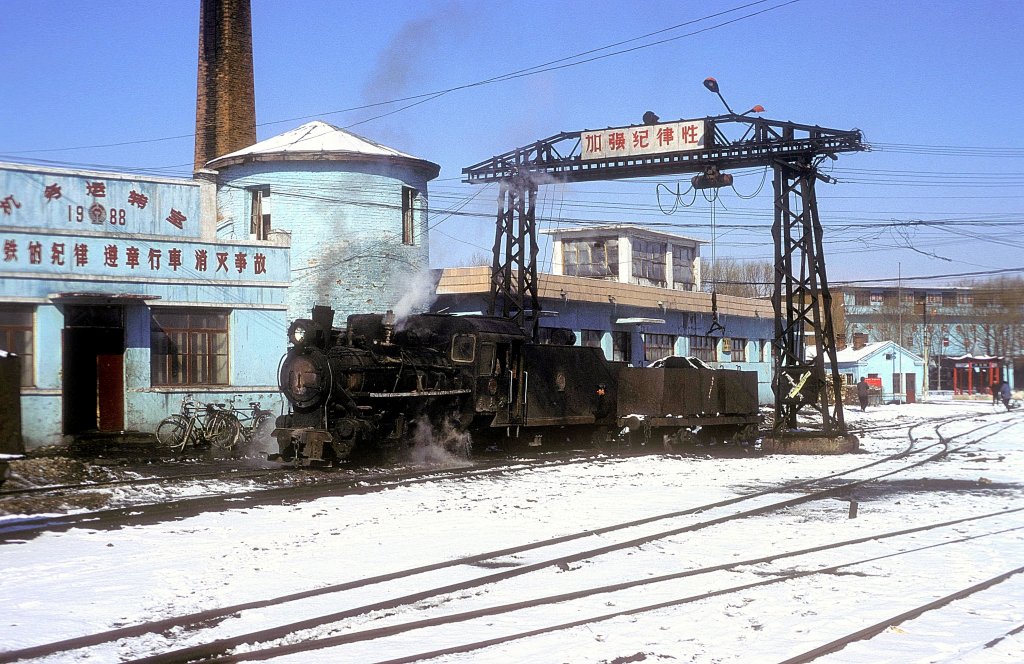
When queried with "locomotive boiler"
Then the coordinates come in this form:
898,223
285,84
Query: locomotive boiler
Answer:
359,391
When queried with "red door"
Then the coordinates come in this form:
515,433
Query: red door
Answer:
110,392
911,388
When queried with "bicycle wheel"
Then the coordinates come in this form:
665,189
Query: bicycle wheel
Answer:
222,430
174,432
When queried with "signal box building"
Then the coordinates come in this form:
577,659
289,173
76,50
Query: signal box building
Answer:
120,298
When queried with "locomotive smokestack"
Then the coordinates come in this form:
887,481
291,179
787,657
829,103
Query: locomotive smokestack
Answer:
225,93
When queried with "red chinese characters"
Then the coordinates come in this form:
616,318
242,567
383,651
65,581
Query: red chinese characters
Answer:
131,257
81,253
8,204
176,219
85,253
140,200
51,192
96,189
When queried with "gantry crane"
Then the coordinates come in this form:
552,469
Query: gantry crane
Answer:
708,146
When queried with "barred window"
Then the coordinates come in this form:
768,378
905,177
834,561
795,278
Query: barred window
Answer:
704,348
657,346
16,337
739,350
861,299
189,347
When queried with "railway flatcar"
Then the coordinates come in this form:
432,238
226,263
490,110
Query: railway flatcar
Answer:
358,391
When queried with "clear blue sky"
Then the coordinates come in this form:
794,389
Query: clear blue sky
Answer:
934,85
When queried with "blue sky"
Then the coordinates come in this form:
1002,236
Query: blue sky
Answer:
934,86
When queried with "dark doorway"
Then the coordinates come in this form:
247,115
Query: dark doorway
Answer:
911,388
93,385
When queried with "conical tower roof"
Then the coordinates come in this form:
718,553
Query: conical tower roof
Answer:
320,141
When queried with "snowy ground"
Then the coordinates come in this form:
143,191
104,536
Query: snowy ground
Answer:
61,585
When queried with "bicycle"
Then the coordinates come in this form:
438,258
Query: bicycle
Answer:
250,420
199,424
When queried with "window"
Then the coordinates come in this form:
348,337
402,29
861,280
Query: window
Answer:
259,223
861,298
964,298
739,350
598,259
463,348
876,298
934,298
16,337
682,267
189,347
704,348
649,262
409,196
591,338
657,346
621,350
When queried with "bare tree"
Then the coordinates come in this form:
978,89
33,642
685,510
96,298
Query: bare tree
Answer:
729,276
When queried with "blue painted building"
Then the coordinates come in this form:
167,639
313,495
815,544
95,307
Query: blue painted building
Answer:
356,212
121,298
900,372
636,323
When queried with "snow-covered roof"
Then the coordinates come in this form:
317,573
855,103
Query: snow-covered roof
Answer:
318,140
850,355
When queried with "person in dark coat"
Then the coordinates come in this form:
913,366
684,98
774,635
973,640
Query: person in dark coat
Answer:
995,392
862,393
1004,394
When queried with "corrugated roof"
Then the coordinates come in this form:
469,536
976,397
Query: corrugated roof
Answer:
315,140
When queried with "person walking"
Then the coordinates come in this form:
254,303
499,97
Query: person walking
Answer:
1004,394
863,389
995,391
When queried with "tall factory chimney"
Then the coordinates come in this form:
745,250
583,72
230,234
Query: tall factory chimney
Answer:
225,95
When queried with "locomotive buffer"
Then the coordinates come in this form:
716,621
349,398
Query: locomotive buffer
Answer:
708,146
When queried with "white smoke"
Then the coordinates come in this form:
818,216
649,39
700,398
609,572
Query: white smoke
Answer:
420,293
445,445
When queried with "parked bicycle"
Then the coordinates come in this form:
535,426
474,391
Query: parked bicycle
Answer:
250,420
199,425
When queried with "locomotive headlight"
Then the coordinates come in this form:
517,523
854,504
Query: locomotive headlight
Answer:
301,331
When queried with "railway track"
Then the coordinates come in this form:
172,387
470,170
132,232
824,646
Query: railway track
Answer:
228,496
538,558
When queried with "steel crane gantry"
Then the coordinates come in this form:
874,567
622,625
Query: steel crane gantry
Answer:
710,145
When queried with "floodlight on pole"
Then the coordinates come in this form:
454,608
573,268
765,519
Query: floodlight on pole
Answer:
711,84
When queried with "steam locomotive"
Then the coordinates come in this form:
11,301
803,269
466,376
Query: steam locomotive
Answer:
360,391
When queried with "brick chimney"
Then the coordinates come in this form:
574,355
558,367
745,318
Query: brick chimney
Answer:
859,340
225,94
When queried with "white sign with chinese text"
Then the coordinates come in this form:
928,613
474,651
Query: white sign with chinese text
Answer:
642,140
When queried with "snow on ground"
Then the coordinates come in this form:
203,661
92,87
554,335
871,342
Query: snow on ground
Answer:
65,584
